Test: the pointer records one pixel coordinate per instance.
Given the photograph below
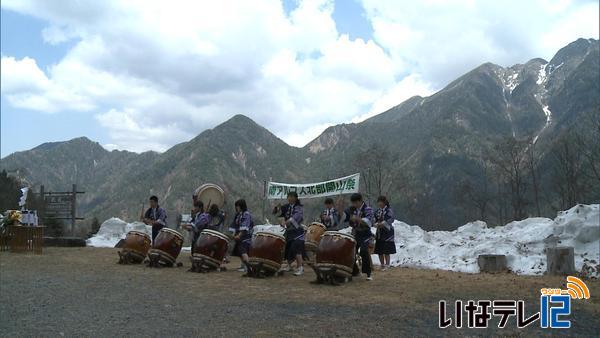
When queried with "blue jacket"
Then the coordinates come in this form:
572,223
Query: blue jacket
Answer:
243,224
334,218
157,214
362,229
385,216
293,215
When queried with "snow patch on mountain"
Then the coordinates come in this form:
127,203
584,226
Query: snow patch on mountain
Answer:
329,139
240,157
542,75
509,78
550,68
542,97
260,151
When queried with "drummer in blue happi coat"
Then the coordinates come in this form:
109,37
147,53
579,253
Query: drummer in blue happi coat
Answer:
361,221
293,214
241,227
384,242
330,216
199,222
155,216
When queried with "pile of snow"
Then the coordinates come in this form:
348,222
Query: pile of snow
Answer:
113,230
523,242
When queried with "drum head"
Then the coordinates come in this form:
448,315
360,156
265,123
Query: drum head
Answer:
215,233
270,234
318,224
339,234
210,193
139,233
174,232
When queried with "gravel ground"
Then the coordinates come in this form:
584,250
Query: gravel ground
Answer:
83,292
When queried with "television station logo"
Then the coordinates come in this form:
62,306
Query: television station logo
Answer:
555,307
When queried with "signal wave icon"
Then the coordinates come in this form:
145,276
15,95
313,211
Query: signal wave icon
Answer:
576,288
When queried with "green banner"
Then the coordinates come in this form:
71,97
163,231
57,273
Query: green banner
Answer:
344,185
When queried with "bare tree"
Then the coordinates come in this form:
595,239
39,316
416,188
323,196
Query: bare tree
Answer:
532,163
507,159
567,176
376,169
475,190
587,140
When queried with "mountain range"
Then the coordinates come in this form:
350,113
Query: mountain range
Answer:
417,152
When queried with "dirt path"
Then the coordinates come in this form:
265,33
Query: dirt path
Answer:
83,292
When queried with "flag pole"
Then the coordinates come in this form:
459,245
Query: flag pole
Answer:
264,199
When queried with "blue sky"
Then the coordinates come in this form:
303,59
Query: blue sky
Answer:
23,129
145,77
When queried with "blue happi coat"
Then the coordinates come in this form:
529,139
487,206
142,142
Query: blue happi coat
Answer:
157,214
243,224
293,215
385,215
330,218
201,221
362,229
216,222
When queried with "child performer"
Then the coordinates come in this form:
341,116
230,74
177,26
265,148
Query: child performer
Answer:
155,216
384,244
330,217
242,228
293,214
361,221
217,218
199,222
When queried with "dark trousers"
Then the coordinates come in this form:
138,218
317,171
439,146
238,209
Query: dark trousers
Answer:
194,239
362,247
155,231
293,248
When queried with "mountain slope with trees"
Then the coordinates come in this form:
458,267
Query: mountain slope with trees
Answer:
498,143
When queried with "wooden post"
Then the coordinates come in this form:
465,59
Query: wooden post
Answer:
73,208
42,212
560,261
492,263
264,199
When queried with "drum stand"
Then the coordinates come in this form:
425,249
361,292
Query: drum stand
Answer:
310,257
202,265
127,257
329,276
258,270
155,261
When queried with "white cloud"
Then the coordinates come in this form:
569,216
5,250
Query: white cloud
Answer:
127,127
410,86
299,138
443,39
55,35
151,66
158,73
581,21
110,146
21,75
25,85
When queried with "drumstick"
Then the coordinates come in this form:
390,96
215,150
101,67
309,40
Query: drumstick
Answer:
224,221
340,207
142,214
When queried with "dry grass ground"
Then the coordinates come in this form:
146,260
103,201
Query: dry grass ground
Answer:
83,292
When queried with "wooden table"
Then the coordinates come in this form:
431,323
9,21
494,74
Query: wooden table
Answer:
24,238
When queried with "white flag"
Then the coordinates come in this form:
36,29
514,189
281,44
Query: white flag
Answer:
23,198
